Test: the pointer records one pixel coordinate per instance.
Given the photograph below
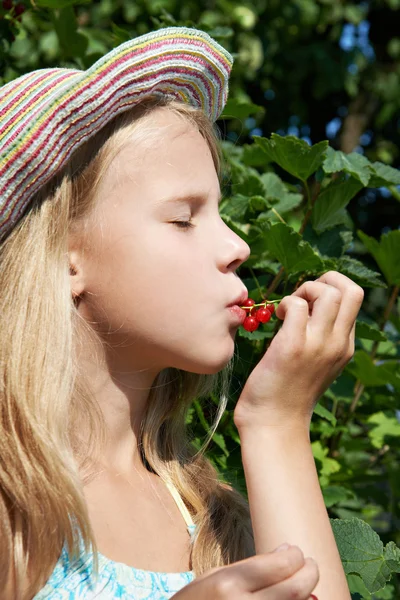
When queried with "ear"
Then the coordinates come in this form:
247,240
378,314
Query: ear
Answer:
76,276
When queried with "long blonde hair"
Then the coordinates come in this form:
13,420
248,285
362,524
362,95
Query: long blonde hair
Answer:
43,387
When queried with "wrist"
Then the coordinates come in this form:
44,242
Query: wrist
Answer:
271,422
290,435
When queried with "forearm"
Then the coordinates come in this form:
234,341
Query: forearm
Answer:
286,502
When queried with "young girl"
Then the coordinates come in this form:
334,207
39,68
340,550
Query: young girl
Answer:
116,275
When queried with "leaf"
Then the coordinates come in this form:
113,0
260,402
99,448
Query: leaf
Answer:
246,180
331,200
386,252
54,4
355,164
73,44
384,425
331,243
360,274
328,465
364,369
235,207
287,246
362,552
292,154
253,156
235,109
357,586
366,331
392,556
255,335
218,438
333,494
323,412
383,175
276,190
374,375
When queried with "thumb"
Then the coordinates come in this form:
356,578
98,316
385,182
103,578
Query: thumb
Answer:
282,547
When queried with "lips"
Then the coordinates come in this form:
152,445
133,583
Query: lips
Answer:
240,299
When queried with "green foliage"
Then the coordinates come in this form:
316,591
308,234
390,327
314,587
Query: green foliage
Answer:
355,428
296,205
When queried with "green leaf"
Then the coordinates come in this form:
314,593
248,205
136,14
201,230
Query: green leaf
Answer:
332,200
383,175
384,425
331,243
366,331
360,274
218,438
235,207
287,246
276,191
392,556
235,109
364,369
246,180
253,156
362,552
328,465
261,334
54,4
73,44
355,164
333,494
292,154
323,412
386,252
371,374
357,586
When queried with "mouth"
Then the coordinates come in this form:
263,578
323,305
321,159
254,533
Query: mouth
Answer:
240,299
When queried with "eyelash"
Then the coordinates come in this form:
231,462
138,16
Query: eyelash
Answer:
183,224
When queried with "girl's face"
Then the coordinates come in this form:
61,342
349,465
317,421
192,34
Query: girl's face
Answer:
155,290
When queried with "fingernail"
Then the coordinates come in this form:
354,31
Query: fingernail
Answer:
313,597
283,547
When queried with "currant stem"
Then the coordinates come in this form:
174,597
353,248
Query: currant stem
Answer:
260,304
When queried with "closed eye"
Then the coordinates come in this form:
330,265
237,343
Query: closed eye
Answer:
183,224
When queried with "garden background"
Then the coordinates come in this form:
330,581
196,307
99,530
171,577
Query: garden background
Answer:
311,139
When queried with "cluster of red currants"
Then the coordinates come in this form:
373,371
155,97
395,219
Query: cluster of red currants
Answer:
261,315
18,8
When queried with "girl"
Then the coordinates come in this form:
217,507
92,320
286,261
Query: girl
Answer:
116,274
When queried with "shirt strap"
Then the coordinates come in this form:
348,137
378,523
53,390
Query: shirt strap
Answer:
182,507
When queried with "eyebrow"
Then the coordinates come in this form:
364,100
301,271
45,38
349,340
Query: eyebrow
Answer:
186,198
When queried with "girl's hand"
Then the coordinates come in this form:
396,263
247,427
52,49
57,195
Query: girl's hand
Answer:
279,575
307,354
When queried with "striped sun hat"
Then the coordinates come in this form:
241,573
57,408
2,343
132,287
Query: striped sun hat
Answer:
47,114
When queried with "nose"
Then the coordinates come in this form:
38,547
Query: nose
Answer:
237,251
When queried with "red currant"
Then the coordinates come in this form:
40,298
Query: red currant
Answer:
263,315
7,4
19,9
249,303
251,324
271,308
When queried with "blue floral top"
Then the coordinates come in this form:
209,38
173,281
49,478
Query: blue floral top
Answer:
115,580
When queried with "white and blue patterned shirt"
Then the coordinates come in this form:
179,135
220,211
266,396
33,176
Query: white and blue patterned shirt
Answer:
115,580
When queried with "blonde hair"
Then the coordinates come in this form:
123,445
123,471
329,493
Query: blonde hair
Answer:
43,387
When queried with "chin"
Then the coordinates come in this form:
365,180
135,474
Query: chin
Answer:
212,368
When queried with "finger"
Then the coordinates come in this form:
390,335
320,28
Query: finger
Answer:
325,300
294,313
299,586
352,299
260,571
